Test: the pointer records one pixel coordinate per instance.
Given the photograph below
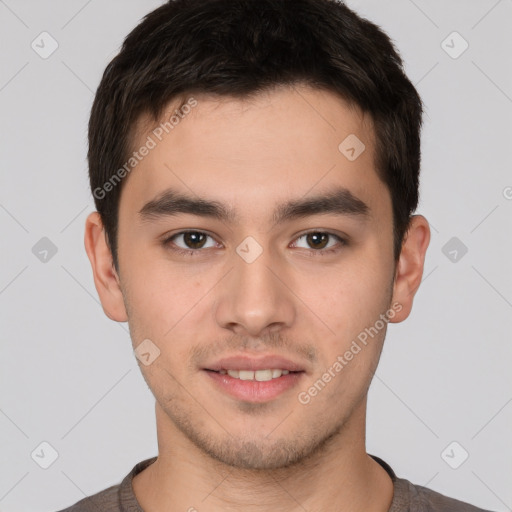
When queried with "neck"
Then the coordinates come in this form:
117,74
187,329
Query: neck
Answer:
338,476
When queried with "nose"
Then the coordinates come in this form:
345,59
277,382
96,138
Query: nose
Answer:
255,297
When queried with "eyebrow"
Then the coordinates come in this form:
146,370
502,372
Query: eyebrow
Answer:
339,201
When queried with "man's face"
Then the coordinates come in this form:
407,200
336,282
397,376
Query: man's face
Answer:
258,290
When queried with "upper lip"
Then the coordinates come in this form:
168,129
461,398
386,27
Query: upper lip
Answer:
253,363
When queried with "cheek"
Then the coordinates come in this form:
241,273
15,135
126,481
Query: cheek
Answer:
165,300
349,297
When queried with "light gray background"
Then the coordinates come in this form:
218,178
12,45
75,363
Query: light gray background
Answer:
68,374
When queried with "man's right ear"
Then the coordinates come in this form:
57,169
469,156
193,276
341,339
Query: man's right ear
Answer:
105,277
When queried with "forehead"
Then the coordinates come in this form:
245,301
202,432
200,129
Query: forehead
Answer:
248,153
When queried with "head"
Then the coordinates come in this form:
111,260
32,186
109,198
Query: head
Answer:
284,136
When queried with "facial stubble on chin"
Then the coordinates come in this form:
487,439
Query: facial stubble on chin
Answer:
257,455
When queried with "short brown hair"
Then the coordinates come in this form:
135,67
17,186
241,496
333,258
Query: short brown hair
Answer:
241,47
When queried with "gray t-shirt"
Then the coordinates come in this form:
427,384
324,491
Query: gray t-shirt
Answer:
407,497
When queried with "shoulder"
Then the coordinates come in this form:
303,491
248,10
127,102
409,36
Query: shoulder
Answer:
117,498
408,497
421,499
106,501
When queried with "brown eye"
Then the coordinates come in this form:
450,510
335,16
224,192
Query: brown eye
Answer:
317,240
191,240
320,242
194,239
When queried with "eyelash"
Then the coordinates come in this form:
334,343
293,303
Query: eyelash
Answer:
194,252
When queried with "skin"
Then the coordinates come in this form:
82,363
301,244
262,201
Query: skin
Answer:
217,452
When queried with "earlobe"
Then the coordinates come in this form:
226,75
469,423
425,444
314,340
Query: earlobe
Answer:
106,279
409,269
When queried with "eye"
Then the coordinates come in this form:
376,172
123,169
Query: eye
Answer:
189,241
320,242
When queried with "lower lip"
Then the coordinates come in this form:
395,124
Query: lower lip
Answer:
252,390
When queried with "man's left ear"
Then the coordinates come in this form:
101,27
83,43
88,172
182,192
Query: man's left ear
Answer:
409,270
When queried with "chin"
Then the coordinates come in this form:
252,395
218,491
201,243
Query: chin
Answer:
263,453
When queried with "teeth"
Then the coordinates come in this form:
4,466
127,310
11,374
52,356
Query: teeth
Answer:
259,375
245,375
263,375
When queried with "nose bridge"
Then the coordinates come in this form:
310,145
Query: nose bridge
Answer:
253,299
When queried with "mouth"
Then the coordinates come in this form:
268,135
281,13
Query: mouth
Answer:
258,375
254,379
